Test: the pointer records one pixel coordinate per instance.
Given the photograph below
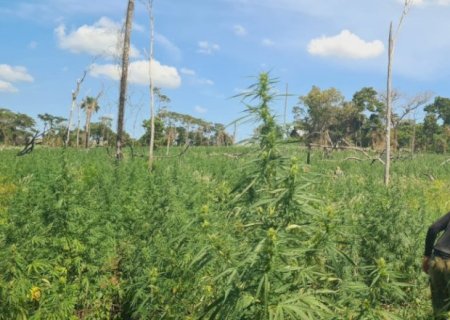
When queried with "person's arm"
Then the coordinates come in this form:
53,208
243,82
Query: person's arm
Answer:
432,233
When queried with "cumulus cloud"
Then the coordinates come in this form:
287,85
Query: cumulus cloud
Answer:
14,74
205,47
102,38
7,87
200,109
345,45
267,42
163,76
239,30
10,74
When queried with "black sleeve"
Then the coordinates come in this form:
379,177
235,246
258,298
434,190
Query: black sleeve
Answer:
433,231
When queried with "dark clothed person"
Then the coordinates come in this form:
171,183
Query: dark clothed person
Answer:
436,262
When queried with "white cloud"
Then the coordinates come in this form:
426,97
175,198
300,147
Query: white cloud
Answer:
187,72
345,45
239,30
14,74
207,48
7,87
267,42
163,76
102,38
10,74
200,109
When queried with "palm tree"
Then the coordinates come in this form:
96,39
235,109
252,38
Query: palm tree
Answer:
90,105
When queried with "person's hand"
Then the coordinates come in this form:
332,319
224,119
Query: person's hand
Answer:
426,264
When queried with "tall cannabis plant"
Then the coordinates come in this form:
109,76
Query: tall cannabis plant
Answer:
267,276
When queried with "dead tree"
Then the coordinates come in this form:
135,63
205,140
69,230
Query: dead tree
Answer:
152,94
74,102
124,78
391,45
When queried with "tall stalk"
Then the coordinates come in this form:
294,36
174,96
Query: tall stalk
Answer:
387,166
78,126
124,77
152,94
392,39
74,103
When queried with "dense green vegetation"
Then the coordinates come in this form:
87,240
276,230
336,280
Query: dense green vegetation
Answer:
217,233
82,237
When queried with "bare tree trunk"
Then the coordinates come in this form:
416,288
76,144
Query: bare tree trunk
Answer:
124,77
234,133
5,137
413,139
87,127
387,165
74,102
285,131
152,97
170,134
169,138
78,125
406,6
387,168
187,133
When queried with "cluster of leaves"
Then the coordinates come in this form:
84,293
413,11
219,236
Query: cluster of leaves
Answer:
15,128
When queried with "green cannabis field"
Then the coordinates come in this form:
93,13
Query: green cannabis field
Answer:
85,238
216,232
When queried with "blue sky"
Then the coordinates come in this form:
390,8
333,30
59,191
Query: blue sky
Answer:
207,51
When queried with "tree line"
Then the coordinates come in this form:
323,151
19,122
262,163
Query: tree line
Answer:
326,118
171,128
322,117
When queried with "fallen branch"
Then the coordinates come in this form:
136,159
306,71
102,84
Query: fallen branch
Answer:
429,176
29,147
377,159
353,158
177,155
363,151
446,161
